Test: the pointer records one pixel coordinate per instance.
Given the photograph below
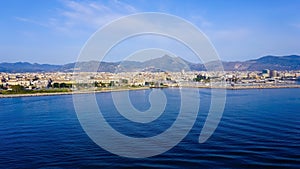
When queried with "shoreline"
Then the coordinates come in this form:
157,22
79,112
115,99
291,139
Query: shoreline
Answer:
253,87
146,88
70,93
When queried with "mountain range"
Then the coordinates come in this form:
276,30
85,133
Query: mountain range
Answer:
164,63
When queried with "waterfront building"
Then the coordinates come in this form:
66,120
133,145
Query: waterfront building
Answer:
266,73
273,73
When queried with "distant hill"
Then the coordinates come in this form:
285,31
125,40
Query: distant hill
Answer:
291,62
164,63
27,67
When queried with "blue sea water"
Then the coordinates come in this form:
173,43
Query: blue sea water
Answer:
260,128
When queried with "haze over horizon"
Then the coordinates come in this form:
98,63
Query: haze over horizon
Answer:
53,32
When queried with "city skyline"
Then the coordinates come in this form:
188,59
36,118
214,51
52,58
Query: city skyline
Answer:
55,31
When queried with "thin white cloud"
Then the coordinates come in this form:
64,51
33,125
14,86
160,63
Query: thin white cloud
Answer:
22,19
93,14
82,15
201,21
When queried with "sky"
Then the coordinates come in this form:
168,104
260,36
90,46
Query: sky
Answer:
55,31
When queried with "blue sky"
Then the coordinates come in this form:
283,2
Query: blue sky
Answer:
54,31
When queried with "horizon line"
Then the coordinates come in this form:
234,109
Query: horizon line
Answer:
148,60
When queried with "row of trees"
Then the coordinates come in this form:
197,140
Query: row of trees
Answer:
20,88
61,85
202,78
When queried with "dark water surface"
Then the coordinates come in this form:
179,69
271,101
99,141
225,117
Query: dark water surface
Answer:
259,129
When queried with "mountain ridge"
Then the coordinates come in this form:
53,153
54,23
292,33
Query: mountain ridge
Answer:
164,63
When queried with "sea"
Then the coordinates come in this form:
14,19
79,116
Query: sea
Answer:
259,128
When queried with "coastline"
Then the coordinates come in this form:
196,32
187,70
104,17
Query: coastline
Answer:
146,88
69,93
254,87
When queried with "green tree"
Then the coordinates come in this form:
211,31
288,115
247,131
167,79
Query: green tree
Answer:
62,85
17,88
68,85
55,85
111,84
